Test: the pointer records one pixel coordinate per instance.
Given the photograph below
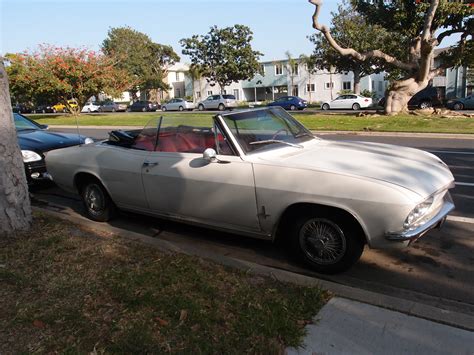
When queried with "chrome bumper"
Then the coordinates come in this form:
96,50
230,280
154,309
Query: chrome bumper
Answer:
436,221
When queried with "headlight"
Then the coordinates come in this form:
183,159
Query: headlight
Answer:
418,213
88,140
30,156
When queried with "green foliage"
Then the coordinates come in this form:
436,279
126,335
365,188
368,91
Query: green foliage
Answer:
224,55
368,93
345,92
56,75
143,59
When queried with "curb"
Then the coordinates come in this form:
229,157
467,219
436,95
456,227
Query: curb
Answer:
356,133
451,318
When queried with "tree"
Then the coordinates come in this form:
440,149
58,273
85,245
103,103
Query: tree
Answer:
146,61
419,26
62,74
195,74
292,68
224,55
310,63
350,28
15,209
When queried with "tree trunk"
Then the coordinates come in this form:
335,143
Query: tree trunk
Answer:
357,82
15,209
399,93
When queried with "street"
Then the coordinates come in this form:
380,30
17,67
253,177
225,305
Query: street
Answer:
437,270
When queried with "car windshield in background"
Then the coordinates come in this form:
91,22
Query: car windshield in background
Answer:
258,129
229,97
22,123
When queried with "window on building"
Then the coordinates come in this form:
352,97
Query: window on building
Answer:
262,69
295,69
178,92
177,76
295,91
380,85
373,84
237,94
278,69
209,93
198,94
310,87
329,85
346,85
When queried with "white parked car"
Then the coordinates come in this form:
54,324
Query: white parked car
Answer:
348,102
260,173
178,104
90,107
218,102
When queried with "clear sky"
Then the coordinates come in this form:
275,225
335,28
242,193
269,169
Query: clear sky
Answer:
278,25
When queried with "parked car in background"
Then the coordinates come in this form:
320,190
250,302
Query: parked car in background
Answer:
90,107
22,108
426,98
290,103
45,109
59,107
178,104
35,141
143,106
218,102
261,173
111,106
348,102
461,104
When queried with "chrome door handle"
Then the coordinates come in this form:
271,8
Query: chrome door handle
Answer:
148,164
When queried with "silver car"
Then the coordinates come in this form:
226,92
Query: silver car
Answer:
218,102
111,106
260,173
178,105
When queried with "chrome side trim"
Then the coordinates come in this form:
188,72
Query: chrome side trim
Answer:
418,232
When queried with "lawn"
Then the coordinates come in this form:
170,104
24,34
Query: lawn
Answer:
68,290
313,121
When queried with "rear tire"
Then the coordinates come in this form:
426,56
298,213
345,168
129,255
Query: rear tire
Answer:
97,202
163,109
292,108
458,106
356,107
325,107
425,105
201,107
328,243
181,108
144,109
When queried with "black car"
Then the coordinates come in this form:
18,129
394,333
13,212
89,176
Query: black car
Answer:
35,141
428,97
45,109
143,106
22,108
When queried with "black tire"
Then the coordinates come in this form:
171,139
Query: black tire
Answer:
144,109
337,232
356,107
89,110
181,108
221,107
201,107
54,110
325,107
97,202
292,108
425,104
43,111
113,109
163,108
458,106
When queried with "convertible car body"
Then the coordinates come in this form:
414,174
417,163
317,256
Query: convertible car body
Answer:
261,173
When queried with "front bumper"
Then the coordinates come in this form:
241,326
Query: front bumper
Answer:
36,172
436,221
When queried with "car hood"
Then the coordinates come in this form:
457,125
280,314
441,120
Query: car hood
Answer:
43,141
413,169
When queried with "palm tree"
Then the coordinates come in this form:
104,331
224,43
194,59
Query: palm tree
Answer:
292,63
195,73
311,66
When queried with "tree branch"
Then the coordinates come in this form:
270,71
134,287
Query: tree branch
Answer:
350,51
426,34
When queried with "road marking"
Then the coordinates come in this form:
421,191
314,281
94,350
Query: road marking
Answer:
460,219
465,183
450,152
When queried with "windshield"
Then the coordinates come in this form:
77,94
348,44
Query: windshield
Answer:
22,123
260,129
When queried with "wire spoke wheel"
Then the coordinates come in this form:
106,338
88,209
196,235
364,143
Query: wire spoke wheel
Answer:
322,241
94,199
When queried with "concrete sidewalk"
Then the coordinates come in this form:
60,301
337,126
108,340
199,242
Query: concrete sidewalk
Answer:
344,326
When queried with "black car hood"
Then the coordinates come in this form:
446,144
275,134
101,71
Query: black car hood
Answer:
43,141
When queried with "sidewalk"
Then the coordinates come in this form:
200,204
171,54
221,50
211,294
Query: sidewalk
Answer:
350,327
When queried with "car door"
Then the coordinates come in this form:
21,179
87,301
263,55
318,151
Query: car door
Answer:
349,101
213,102
338,102
184,185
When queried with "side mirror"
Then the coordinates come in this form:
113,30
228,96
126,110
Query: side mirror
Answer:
43,126
210,155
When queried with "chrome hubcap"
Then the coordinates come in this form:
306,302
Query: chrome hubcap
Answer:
94,199
322,241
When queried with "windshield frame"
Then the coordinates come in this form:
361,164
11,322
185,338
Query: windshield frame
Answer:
271,146
35,125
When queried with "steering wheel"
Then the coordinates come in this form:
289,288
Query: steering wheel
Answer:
280,131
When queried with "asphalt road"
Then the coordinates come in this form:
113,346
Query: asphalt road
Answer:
437,270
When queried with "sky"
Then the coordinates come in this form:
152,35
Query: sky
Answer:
278,25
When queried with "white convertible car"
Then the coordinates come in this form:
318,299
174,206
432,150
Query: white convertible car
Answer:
260,173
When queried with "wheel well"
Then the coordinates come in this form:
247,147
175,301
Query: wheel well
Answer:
297,209
81,178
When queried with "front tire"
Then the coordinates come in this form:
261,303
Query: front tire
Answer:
458,106
425,105
325,107
97,202
292,108
201,107
181,108
221,107
163,109
328,244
